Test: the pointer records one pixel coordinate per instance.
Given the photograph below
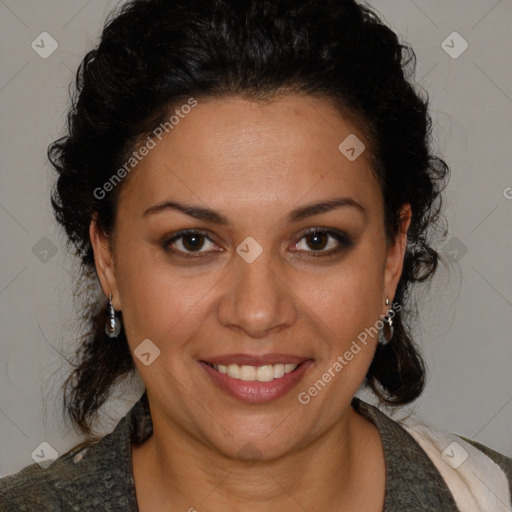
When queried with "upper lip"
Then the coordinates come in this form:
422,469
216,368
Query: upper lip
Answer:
255,360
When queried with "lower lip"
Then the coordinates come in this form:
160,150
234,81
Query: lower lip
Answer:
256,392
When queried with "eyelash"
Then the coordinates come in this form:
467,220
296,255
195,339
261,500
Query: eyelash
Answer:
340,236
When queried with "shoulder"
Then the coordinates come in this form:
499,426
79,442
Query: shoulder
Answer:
427,463
477,475
88,477
38,488
503,461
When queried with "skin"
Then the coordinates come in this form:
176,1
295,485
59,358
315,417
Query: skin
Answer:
253,162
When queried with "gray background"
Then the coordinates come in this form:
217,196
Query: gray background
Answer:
466,316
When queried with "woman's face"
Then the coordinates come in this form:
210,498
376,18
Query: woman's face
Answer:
250,287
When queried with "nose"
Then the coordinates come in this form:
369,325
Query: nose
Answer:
257,299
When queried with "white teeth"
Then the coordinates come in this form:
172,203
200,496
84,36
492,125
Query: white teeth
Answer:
247,372
264,373
278,371
234,371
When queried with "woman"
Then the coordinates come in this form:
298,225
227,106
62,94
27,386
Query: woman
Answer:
251,183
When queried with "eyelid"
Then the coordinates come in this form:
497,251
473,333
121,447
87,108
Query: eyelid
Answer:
327,230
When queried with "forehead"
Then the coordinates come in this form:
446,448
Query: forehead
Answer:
255,153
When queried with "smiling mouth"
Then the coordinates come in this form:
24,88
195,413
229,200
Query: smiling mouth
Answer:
264,373
269,377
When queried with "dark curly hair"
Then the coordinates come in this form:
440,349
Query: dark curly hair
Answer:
155,54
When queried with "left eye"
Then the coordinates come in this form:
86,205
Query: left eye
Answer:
318,241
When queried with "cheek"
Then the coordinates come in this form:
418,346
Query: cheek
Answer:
343,310
348,300
160,302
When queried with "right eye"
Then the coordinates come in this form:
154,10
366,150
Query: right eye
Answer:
187,242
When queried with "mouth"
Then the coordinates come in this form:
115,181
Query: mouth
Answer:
267,378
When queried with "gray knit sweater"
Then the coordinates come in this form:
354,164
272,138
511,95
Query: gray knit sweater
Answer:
99,477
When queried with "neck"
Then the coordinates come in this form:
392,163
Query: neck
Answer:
174,471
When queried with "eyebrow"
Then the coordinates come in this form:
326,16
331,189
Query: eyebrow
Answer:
295,215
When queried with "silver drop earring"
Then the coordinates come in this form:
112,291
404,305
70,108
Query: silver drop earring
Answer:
384,338
113,323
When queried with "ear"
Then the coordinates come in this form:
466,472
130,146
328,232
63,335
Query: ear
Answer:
396,253
104,261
